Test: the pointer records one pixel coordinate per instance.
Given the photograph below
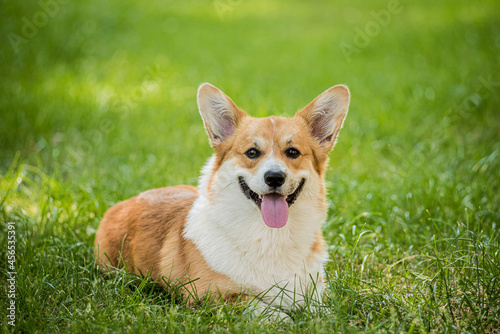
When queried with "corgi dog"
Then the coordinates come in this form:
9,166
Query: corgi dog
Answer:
252,227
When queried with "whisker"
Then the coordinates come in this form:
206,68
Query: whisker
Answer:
230,183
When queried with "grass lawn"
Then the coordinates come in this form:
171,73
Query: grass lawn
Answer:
98,103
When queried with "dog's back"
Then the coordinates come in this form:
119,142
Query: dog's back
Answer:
144,235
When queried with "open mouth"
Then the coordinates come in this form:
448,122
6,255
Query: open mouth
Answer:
273,206
257,199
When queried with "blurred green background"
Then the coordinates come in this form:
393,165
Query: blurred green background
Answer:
98,103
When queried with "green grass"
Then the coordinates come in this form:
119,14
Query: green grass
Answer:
100,104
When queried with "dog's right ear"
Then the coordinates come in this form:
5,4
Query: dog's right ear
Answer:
219,113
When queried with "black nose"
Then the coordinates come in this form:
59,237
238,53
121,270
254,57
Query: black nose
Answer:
274,179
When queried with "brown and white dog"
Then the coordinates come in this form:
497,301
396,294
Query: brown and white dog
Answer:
253,225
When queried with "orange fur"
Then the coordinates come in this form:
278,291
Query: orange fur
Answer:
144,234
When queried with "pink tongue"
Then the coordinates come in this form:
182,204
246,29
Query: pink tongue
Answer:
274,209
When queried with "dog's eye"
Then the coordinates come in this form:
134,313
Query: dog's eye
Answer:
252,153
292,153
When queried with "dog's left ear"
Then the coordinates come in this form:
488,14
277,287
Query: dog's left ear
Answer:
220,115
325,115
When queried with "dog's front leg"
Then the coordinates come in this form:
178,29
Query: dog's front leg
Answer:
257,309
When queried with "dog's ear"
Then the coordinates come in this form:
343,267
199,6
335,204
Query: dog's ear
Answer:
220,115
325,115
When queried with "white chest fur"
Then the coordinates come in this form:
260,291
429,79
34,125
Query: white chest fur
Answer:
229,232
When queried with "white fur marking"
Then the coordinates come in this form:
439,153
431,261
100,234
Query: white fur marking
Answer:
272,136
235,241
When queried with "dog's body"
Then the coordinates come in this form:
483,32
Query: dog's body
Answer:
253,225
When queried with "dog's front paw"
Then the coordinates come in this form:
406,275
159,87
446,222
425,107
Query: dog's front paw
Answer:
266,313
318,309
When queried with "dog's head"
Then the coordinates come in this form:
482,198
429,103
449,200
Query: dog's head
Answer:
274,161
